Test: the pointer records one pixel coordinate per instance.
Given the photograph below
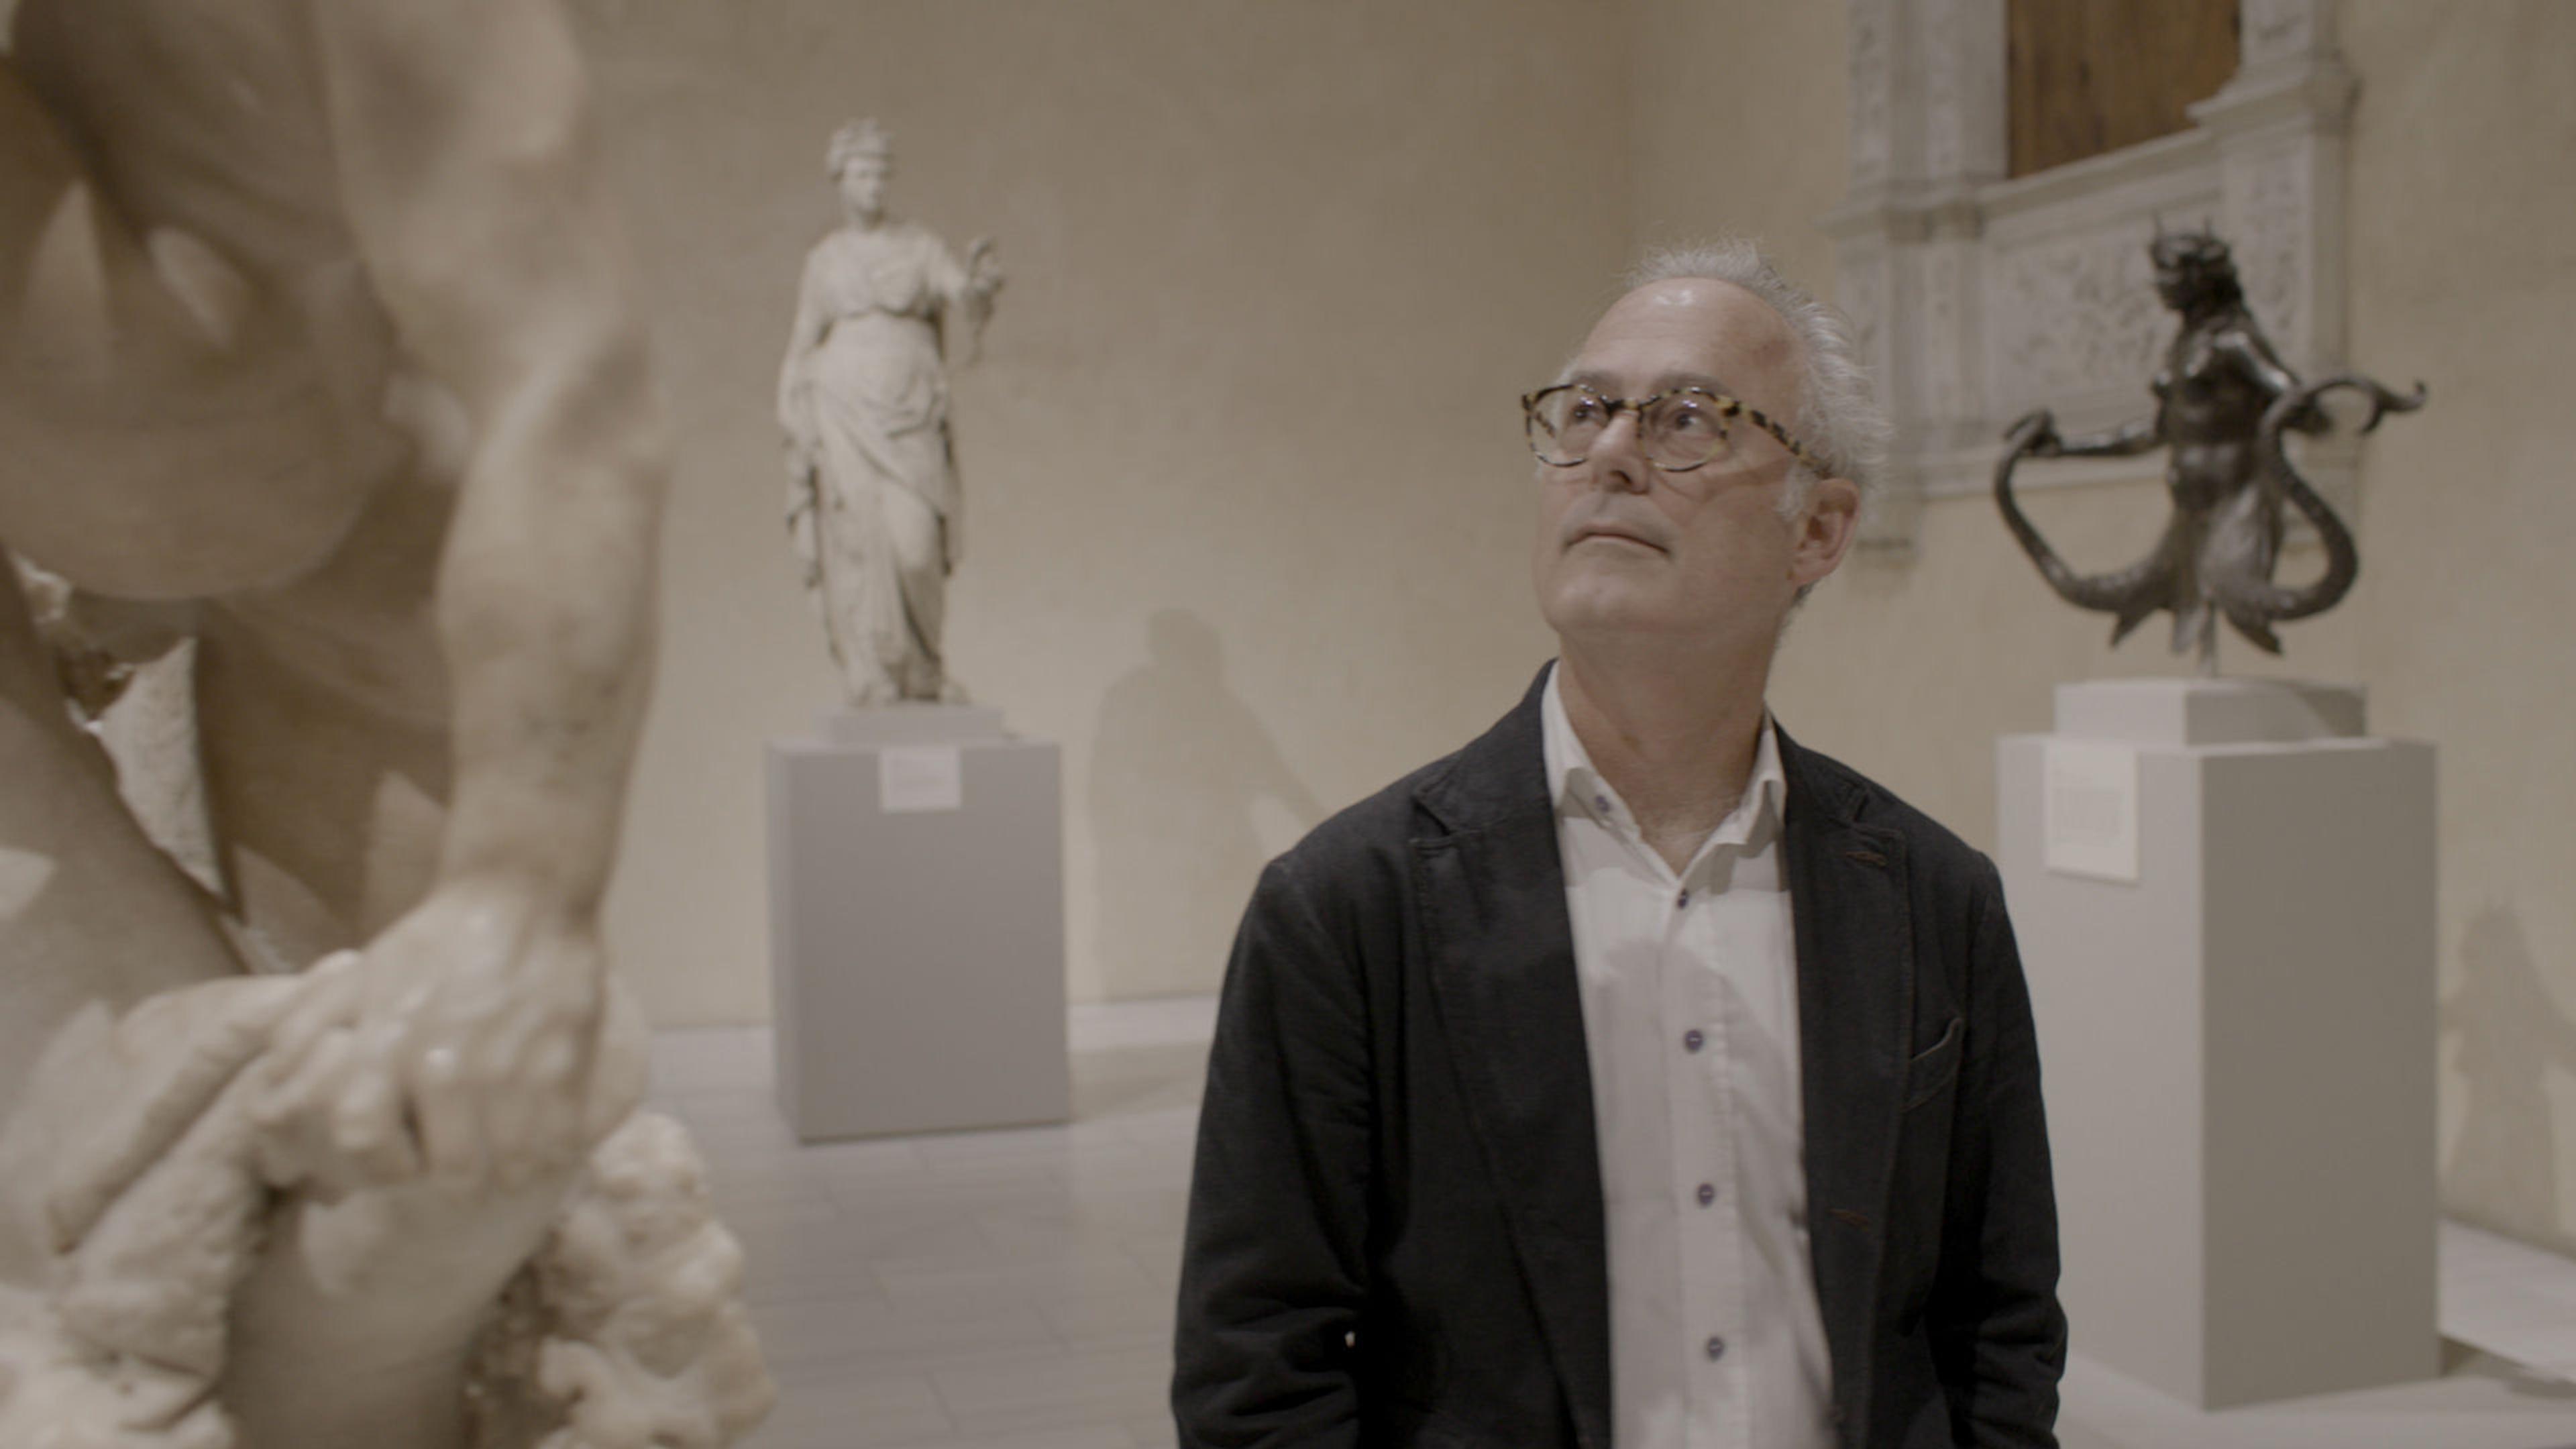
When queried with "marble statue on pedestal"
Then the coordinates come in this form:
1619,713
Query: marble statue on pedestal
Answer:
320,348
873,506
2223,400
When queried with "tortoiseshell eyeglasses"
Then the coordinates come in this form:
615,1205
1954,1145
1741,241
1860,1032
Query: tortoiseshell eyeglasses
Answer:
1677,430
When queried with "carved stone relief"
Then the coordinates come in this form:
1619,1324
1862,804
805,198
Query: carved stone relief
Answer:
1872,48
1963,90
1945,151
2270,215
2082,317
1864,299
2276,30
1948,390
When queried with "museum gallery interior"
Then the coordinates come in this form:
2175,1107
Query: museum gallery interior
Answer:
775,724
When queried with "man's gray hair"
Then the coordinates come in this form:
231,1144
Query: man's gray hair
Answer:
1839,419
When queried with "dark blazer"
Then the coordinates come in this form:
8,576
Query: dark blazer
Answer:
1395,1228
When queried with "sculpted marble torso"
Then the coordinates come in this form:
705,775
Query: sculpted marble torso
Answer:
317,326
874,509
249,466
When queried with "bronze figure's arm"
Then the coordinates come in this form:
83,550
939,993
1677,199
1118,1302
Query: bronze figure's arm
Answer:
2126,440
2249,349
2131,593
2259,601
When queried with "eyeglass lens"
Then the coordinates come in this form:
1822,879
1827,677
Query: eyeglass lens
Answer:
1680,429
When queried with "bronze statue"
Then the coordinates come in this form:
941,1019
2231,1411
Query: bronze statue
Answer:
2223,400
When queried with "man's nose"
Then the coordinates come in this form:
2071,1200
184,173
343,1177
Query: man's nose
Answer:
1618,456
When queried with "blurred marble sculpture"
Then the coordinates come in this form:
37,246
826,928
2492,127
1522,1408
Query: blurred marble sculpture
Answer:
320,352
2223,401
873,506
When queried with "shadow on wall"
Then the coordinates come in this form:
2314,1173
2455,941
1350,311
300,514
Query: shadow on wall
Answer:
2503,1167
1179,771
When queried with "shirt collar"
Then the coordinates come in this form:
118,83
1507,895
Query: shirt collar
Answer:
1575,786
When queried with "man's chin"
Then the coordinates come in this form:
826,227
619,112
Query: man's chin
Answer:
1600,606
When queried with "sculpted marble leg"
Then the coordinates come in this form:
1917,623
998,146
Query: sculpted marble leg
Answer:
321,706
863,599
89,911
917,545
393,1287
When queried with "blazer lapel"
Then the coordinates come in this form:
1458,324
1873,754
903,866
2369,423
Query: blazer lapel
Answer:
1501,962
1848,898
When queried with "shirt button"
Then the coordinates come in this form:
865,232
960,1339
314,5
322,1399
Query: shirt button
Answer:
1601,803
1707,1193
1682,901
1716,1349
1692,1040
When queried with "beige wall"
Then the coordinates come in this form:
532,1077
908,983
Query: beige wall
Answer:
2463,226
1246,498
1738,125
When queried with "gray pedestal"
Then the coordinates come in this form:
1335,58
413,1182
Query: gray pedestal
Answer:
2238,1037
916,876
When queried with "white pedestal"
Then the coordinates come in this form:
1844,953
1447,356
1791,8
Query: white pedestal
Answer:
2238,1044
917,953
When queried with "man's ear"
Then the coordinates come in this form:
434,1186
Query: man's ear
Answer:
1824,530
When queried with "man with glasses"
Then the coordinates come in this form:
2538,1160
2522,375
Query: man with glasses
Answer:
1636,1076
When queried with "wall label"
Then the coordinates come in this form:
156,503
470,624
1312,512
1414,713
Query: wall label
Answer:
920,779
2088,811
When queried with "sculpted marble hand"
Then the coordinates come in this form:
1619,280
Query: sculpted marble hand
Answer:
874,513
317,330
461,1048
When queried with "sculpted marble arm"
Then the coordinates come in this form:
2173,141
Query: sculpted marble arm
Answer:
796,421
966,296
795,385
467,169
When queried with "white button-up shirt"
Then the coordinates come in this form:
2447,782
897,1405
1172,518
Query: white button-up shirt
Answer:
1689,984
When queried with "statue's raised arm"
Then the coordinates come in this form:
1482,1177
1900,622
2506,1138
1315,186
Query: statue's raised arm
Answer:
468,176
971,289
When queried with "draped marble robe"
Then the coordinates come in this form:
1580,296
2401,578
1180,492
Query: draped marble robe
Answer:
874,504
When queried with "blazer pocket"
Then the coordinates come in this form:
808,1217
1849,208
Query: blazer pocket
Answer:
1934,1068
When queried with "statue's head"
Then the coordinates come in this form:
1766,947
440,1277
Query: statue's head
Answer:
2193,267
860,160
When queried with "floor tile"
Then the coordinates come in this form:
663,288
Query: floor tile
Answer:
854,1414
1002,1289
1078,1386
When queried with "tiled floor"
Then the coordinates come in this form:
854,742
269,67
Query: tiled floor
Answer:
2509,1300
1013,1289
1007,1290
